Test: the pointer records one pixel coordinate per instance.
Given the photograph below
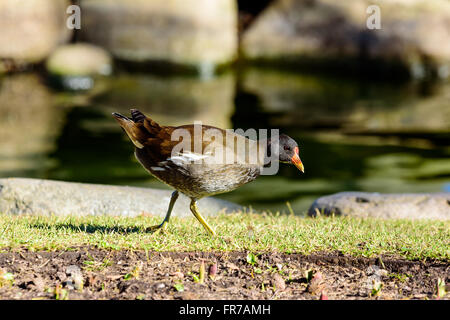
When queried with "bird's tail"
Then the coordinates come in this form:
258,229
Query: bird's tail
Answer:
152,127
132,129
137,116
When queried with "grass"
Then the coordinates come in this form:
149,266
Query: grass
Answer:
417,240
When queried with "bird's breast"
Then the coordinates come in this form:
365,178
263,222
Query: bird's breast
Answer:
199,179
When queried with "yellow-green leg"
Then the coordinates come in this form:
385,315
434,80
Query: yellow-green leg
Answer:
199,217
163,225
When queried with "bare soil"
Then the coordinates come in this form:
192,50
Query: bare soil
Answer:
115,274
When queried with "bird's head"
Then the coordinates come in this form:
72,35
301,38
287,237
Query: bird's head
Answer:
289,151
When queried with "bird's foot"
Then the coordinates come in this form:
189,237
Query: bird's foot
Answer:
160,228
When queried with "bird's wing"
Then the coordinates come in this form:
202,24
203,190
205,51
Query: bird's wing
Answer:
186,143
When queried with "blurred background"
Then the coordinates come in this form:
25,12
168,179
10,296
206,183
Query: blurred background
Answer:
369,108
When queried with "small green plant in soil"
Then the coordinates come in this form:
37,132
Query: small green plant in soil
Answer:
376,289
400,276
179,287
134,273
441,288
6,278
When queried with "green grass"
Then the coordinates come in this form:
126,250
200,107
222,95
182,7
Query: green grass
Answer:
236,232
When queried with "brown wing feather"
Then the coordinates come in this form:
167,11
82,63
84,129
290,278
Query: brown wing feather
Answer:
148,134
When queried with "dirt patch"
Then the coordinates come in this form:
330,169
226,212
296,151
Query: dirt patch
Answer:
91,273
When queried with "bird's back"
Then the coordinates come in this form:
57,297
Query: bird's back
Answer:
196,160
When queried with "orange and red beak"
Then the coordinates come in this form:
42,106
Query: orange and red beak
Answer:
296,160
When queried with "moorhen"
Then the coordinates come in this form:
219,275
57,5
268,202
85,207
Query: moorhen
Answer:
204,165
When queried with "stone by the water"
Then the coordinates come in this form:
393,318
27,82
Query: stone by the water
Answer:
413,32
80,59
378,205
45,197
185,32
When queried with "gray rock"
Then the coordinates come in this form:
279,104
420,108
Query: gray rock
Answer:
377,205
160,286
69,284
200,32
73,270
338,29
376,270
34,196
76,277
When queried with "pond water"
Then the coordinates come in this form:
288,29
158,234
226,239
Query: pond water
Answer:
354,134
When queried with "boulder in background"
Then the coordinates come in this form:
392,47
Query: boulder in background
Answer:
201,33
413,32
32,29
377,205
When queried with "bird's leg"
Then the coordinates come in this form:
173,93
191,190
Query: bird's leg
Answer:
199,217
163,225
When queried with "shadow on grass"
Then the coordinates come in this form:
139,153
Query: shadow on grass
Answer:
89,228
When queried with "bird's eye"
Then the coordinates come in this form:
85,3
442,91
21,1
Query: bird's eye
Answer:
287,148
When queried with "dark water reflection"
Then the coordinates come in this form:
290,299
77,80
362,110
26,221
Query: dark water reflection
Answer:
380,137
